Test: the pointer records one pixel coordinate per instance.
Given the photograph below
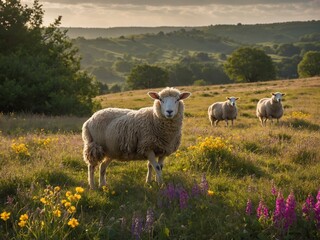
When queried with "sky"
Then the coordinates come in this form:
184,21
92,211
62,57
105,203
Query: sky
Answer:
152,13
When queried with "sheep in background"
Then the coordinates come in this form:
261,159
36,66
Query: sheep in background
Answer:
124,134
269,108
226,110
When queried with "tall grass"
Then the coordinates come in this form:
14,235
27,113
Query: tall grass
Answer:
40,153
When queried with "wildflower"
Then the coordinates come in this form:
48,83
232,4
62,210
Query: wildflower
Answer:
57,213
5,215
308,207
79,190
22,224
279,212
113,192
262,211
24,217
274,189
73,222
149,219
317,210
68,194
249,207
204,186
195,190
72,209
63,201
77,196
43,200
57,189
170,192
105,189
210,192
136,227
290,214
183,199
67,204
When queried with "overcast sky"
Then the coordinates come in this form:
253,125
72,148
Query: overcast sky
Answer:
116,13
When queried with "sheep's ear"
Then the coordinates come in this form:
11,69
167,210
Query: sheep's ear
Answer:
154,95
184,95
237,98
273,94
227,98
283,94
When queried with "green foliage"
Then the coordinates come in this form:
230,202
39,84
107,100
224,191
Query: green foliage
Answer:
39,67
310,64
147,76
249,65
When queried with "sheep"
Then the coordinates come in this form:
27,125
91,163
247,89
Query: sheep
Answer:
124,134
226,110
269,108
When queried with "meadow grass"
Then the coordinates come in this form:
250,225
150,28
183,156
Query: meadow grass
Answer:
247,161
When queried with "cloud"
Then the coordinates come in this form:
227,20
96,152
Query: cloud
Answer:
110,13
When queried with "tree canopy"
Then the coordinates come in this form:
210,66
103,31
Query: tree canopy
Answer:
147,76
39,66
249,65
310,64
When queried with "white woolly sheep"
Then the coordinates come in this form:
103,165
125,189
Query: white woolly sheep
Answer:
226,110
124,134
269,108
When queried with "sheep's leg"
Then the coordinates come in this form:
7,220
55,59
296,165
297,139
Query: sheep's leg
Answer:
216,122
149,174
156,167
226,122
232,122
91,176
103,167
160,161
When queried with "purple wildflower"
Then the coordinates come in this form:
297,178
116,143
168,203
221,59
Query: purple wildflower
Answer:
274,191
149,219
183,199
170,192
308,207
249,207
204,186
196,190
136,227
290,214
262,211
317,210
279,212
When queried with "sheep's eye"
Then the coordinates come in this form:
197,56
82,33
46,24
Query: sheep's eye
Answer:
160,99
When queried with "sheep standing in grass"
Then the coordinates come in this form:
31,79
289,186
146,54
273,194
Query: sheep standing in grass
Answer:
226,110
124,134
269,108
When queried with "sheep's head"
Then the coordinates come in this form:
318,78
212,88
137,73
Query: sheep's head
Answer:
277,96
232,101
168,101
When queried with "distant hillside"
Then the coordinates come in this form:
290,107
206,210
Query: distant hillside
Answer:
192,53
92,33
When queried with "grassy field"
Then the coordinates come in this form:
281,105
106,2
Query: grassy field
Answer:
44,192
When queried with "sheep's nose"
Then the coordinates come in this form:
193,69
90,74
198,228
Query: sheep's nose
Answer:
169,112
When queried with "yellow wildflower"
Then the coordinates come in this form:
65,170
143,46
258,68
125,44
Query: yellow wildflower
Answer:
43,200
77,196
210,193
67,204
105,189
24,217
79,190
73,222
68,193
113,192
63,201
57,213
57,189
22,224
5,215
72,209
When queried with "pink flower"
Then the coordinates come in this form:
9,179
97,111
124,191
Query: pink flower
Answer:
308,208
279,212
290,214
262,211
249,207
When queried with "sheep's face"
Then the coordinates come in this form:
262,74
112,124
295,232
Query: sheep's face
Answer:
232,101
277,97
169,103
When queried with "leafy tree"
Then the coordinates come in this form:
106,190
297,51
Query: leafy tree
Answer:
288,50
39,66
147,76
249,65
179,75
309,65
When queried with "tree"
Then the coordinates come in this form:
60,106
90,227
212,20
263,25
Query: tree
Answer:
309,65
39,66
147,76
249,65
